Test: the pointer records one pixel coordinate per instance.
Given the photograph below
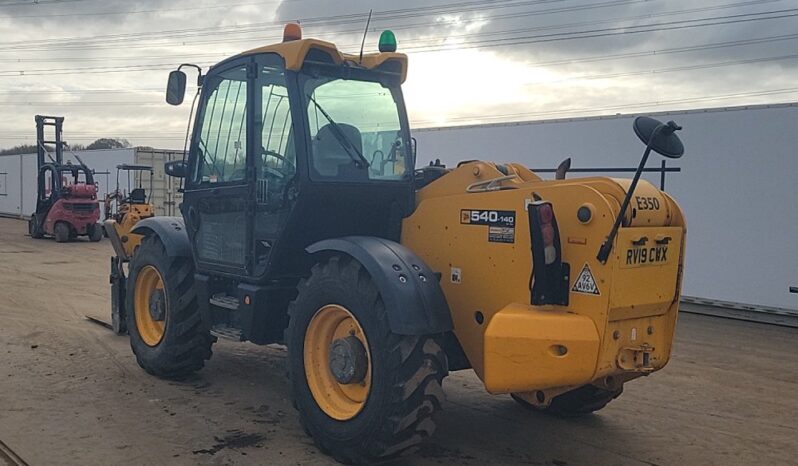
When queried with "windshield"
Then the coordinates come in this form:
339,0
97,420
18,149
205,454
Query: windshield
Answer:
356,132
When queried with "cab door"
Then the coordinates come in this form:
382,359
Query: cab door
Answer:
218,200
276,161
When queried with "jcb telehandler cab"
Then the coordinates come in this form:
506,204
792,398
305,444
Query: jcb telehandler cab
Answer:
305,223
66,195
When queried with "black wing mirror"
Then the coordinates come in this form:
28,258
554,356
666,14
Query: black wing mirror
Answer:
176,168
661,137
176,88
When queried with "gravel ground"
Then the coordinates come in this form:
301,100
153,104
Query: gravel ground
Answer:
72,393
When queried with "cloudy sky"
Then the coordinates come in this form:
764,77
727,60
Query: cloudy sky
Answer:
103,63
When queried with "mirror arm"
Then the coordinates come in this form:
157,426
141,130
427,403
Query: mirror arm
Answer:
197,67
606,247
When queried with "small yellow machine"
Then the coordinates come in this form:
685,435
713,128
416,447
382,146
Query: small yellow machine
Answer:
304,222
124,208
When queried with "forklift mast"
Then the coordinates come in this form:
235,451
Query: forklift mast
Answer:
57,123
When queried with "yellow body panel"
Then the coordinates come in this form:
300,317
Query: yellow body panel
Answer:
511,349
560,348
294,53
126,219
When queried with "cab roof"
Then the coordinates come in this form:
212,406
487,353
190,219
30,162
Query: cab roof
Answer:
294,53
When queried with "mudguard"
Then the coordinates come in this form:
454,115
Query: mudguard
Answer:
170,230
413,297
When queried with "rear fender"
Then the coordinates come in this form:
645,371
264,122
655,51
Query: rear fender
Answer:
413,297
170,230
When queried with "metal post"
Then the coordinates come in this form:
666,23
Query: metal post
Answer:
21,189
662,177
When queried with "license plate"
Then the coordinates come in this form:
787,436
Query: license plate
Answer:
643,256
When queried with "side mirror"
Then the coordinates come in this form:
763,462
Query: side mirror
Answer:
661,137
176,168
176,88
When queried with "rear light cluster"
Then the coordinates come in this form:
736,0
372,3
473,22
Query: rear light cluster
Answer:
550,276
546,215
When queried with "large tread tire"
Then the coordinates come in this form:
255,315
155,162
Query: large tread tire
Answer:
407,371
579,402
95,232
186,342
61,232
33,228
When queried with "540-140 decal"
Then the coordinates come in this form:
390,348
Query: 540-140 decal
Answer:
500,223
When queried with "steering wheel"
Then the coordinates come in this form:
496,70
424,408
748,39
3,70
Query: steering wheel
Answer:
271,170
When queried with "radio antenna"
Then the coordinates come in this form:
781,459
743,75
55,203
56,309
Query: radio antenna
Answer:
363,43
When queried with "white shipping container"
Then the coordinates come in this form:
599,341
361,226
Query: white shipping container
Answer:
737,185
18,178
165,196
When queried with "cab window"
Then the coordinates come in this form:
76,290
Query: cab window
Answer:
222,143
276,164
355,130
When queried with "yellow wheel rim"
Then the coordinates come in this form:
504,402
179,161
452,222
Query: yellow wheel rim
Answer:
148,281
339,401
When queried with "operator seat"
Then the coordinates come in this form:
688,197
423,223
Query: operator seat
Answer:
138,196
330,158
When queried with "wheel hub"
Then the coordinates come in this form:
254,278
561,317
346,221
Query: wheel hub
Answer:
348,360
157,305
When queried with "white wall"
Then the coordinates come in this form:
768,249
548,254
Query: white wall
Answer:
20,189
738,186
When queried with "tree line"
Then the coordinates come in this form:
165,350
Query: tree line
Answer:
102,143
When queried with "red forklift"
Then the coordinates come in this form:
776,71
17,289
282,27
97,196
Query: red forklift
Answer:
66,201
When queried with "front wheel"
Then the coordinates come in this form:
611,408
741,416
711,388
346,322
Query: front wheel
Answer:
61,232
33,228
95,232
167,334
363,393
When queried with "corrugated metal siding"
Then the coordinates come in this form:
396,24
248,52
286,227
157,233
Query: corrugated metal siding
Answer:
737,186
10,185
165,196
20,181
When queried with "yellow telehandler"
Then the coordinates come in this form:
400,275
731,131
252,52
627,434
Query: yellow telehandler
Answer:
124,208
304,222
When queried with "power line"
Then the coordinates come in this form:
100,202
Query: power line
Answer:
465,45
350,18
569,61
492,18
39,2
622,107
592,34
135,12
516,40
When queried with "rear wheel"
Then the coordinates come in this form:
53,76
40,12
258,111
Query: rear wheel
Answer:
363,392
95,232
167,334
61,232
33,227
578,402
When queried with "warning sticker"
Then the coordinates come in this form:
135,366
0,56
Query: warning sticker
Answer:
585,283
501,234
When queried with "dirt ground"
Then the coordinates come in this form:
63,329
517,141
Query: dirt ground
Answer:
72,393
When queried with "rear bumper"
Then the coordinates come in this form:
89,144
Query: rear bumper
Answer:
528,349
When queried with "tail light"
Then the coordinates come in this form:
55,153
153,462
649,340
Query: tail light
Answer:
550,275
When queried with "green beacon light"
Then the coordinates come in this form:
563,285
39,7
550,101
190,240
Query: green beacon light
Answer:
387,41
